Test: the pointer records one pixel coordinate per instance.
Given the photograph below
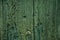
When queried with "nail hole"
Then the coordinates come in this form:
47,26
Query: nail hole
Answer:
24,16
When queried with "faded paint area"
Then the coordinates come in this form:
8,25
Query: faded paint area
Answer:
29,19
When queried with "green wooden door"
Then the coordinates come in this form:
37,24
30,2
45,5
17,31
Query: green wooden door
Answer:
29,20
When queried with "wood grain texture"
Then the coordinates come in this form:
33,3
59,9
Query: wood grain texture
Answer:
29,20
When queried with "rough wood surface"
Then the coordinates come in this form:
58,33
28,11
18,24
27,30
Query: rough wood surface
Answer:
29,20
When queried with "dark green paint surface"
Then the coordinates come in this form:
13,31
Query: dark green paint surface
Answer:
29,19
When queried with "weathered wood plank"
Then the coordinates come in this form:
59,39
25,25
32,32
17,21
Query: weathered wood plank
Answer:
58,19
9,20
46,14
1,20
29,19
24,17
